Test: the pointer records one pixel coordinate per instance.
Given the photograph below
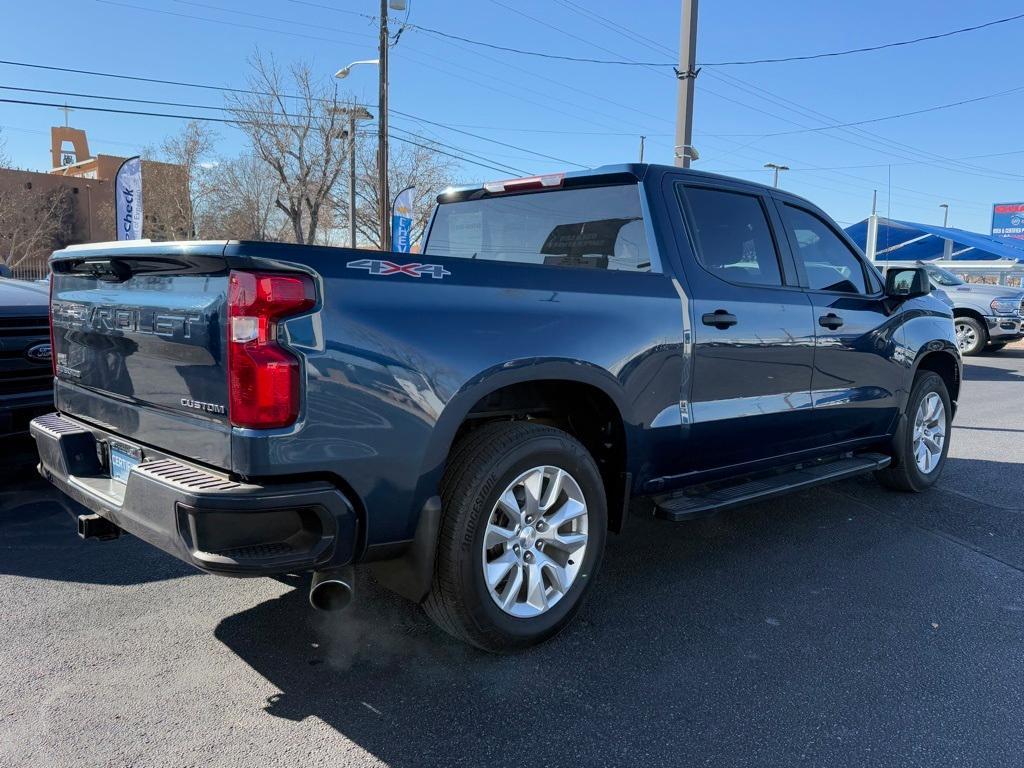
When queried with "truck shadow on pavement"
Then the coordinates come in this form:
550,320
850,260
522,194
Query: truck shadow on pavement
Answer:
779,629
991,372
40,541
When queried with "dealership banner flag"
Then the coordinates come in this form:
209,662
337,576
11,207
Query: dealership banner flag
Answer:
401,221
128,199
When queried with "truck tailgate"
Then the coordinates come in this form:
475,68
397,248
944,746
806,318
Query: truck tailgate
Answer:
139,340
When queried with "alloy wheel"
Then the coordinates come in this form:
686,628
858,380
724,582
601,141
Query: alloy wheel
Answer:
929,433
535,541
966,336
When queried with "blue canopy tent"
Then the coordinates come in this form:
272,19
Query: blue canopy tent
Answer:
909,241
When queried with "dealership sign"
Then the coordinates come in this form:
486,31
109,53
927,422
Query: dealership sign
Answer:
1008,221
401,221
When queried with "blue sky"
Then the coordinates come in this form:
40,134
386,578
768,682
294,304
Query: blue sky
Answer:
585,114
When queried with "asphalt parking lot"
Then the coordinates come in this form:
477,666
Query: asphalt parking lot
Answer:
846,625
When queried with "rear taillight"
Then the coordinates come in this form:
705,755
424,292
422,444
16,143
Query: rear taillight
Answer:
53,348
263,377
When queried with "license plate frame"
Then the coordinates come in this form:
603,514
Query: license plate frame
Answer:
122,457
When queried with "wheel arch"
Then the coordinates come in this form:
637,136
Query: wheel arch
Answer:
558,392
969,312
944,362
411,571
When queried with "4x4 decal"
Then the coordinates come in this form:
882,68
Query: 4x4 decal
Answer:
380,267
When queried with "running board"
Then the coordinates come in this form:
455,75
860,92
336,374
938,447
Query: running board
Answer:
689,505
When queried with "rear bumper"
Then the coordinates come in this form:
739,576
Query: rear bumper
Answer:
204,518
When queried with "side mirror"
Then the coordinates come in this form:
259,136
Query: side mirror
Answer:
907,282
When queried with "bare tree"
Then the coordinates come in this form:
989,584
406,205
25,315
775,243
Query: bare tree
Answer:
409,166
241,201
189,150
296,125
5,159
32,224
174,179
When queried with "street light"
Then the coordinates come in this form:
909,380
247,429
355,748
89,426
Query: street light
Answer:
384,217
945,214
775,167
353,114
382,118
344,72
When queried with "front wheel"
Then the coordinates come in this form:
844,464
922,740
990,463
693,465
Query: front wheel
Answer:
522,535
920,447
971,335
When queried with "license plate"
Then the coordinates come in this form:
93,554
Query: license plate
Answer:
122,459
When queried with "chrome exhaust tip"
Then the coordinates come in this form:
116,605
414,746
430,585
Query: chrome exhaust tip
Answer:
332,590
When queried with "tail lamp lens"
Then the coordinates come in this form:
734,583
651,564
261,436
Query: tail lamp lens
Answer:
263,376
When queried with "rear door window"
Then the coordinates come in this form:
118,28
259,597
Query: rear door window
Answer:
732,237
592,228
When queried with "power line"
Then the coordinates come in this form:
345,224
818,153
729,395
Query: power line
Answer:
633,63
900,148
429,64
492,165
619,29
883,118
864,49
228,23
985,172
776,99
560,83
653,45
184,84
493,46
225,109
873,165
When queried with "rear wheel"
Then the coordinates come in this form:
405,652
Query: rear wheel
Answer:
522,535
971,335
920,448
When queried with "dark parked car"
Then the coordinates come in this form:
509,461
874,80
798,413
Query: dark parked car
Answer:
26,377
471,421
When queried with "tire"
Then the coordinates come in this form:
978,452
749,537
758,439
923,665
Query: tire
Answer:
482,467
971,335
905,474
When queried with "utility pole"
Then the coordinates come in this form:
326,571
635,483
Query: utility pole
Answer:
947,244
382,134
871,240
686,74
353,114
642,138
351,179
775,167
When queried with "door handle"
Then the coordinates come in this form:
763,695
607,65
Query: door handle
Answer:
830,321
720,319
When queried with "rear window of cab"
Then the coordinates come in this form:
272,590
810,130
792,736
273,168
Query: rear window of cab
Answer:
588,227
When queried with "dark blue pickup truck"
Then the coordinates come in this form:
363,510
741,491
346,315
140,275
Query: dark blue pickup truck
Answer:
469,422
